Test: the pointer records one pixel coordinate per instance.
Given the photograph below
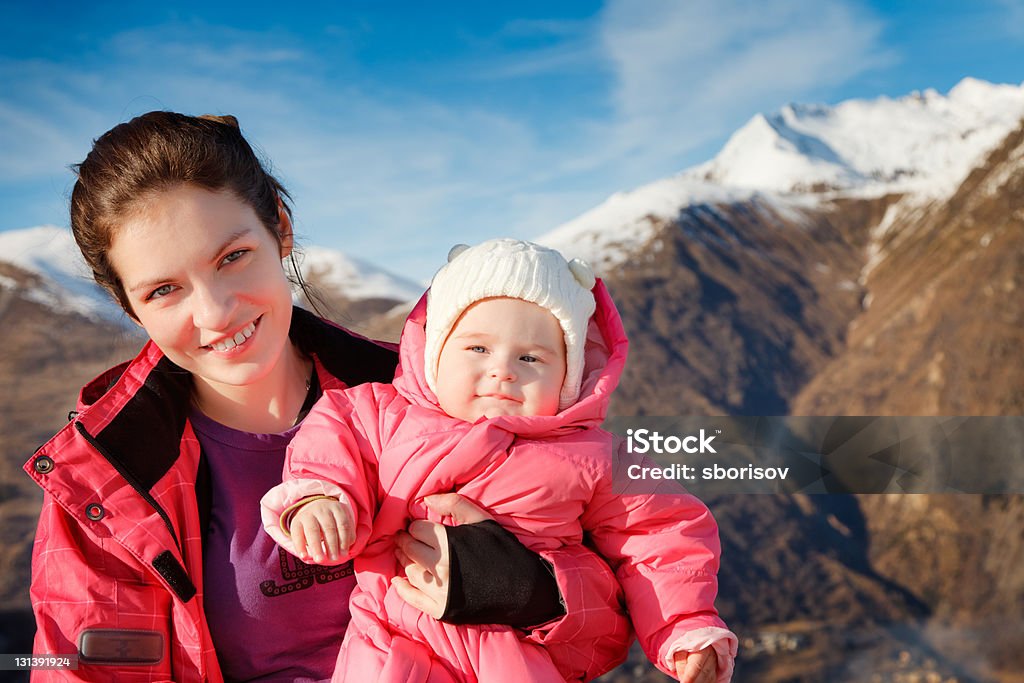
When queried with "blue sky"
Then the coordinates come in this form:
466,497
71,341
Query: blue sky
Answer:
402,128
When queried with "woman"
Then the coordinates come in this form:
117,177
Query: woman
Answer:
149,560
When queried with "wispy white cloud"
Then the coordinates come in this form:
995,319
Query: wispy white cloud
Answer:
41,130
229,50
370,168
558,28
561,46
395,175
689,72
680,75
32,146
564,57
1011,17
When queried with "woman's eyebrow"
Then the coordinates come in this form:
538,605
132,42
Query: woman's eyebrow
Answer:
237,234
232,238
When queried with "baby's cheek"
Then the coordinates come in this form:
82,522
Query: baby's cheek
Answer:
547,404
554,390
458,407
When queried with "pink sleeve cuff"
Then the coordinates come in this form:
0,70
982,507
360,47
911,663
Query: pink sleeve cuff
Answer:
723,640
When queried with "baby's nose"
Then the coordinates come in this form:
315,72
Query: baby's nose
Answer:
503,371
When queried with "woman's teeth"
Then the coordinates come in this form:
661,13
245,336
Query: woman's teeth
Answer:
240,337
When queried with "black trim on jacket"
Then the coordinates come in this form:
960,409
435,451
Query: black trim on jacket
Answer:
143,441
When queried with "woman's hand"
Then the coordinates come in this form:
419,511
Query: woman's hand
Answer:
697,667
423,553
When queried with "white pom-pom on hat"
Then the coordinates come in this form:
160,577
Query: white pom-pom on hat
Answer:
519,270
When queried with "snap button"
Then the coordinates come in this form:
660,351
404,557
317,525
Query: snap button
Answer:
43,464
95,512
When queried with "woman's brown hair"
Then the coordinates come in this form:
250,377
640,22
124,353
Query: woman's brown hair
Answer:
155,152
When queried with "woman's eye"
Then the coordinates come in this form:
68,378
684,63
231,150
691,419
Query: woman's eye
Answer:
234,256
160,291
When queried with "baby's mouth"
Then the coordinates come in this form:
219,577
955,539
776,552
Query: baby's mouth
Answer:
501,397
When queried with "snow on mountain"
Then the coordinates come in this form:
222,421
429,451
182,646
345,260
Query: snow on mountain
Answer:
923,145
634,217
67,285
355,278
611,232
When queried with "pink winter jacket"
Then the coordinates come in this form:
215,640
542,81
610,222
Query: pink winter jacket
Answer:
384,447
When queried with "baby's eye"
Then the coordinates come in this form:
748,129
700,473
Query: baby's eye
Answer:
529,359
477,349
162,290
234,256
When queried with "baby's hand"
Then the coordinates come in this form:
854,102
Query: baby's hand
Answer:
324,524
697,667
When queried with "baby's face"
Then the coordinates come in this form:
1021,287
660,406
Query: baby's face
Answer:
503,357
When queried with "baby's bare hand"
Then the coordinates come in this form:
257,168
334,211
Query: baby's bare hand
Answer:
322,530
697,667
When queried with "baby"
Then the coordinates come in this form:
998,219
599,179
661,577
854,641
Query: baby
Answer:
505,376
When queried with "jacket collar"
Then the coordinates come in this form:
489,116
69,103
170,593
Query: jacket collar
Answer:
147,401
134,417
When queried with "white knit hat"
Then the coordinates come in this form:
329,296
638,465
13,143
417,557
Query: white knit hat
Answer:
519,270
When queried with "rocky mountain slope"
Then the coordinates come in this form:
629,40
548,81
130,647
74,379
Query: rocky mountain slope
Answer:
942,335
851,287
944,321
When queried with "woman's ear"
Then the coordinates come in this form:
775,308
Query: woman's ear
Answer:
284,230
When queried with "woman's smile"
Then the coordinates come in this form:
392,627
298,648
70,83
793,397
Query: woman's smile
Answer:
236,341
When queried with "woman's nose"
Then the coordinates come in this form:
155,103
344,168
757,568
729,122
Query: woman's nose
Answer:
213,308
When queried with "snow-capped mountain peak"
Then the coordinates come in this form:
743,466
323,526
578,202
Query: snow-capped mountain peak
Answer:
776,153
923,143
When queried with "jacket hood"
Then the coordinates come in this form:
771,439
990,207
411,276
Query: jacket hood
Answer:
604,359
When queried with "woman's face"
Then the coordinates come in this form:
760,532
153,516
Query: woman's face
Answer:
204,278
